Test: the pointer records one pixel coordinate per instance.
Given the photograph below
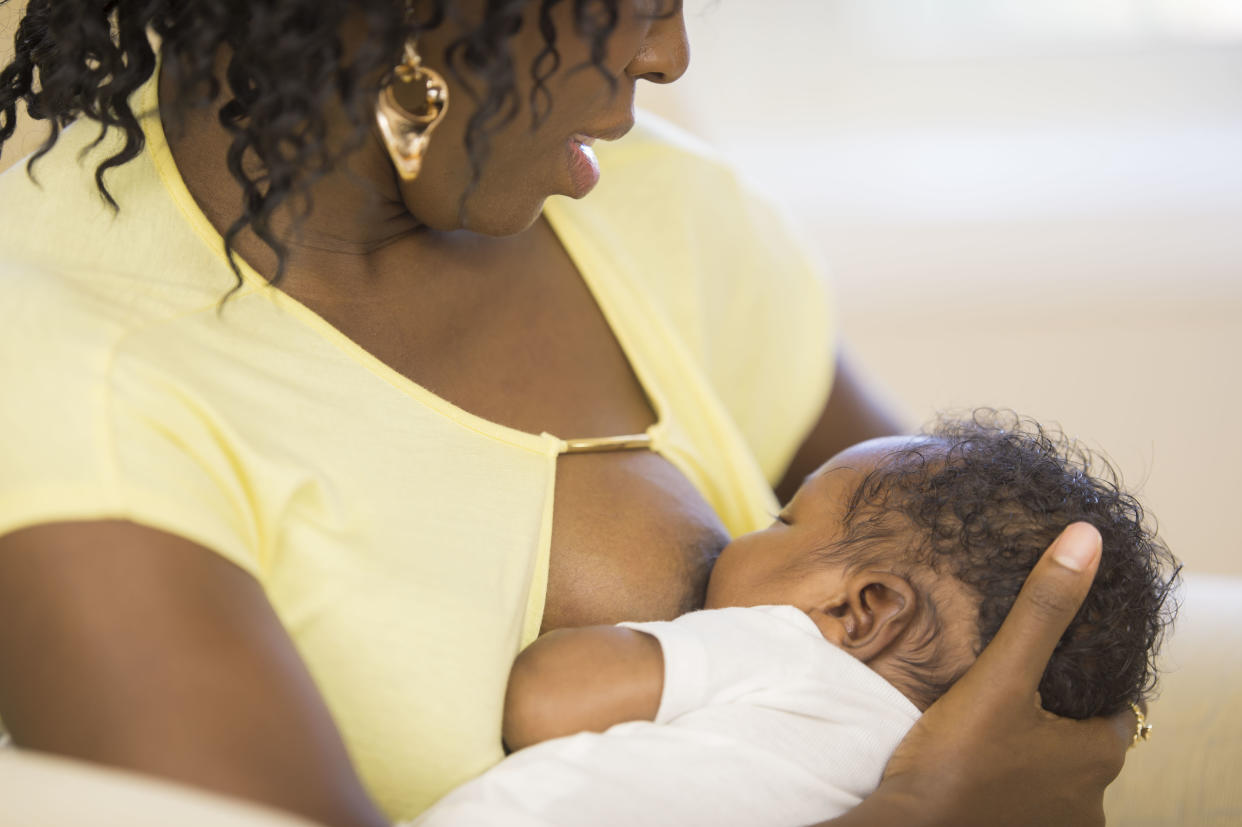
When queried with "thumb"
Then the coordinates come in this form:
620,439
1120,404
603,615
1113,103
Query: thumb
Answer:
1016,658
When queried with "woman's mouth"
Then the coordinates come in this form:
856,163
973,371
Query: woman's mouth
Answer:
583,165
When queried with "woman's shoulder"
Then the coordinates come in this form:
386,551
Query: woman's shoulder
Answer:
94,409
728,269
62,310
52,313
670,194
78,276
61,240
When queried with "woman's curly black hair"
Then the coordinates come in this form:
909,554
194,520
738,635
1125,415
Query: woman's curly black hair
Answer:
287,70
980,498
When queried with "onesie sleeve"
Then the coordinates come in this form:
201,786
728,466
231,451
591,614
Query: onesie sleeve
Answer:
92,430
716,656
686,668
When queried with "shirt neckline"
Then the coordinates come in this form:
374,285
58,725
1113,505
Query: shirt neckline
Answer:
597,273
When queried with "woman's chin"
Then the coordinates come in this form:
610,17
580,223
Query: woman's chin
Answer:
483,216
503,224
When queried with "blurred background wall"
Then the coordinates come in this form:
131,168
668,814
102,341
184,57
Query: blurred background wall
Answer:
27,139
1024,204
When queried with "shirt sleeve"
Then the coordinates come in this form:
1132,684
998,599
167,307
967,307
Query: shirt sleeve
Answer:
92,430
686,669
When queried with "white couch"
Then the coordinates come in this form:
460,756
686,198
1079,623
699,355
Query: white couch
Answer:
1190,773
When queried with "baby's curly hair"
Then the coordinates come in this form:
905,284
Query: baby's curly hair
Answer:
980,498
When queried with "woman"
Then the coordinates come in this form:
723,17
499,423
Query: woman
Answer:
287,541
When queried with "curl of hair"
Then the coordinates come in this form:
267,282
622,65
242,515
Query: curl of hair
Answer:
980,499
287,71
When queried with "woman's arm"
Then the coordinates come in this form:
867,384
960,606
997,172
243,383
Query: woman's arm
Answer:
127,646
582,680
986,753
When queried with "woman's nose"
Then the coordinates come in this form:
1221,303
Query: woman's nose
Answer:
664,54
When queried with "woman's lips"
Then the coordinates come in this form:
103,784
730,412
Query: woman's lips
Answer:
583,165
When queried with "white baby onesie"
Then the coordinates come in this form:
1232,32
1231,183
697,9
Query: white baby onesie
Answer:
761,722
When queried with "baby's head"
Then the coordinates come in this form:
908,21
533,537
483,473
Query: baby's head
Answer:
908,552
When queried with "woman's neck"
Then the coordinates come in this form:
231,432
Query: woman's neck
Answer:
356,211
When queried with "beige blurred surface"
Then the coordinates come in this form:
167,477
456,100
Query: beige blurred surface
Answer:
1035,206
1187,774
29,135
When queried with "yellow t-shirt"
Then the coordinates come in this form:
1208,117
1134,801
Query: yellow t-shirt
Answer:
402,541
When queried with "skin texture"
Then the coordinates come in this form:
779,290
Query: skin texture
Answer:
179,666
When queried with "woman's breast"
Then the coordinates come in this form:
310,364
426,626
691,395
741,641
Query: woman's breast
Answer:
632,539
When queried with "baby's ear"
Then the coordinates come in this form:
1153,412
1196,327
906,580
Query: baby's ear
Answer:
868,613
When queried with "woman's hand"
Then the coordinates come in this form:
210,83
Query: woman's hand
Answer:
986,753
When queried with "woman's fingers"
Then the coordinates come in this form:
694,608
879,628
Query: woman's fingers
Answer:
1102,744
1118,734
1014,662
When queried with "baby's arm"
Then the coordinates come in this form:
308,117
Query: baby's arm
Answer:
582,680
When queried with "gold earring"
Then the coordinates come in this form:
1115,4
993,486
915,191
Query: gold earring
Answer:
406,129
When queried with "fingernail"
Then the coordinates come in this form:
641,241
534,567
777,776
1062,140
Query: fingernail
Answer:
1076,548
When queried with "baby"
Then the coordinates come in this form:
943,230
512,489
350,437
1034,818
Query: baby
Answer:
823,639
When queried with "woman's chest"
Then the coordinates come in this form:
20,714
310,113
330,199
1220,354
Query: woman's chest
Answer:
412,545
412,566
632,539
528,348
